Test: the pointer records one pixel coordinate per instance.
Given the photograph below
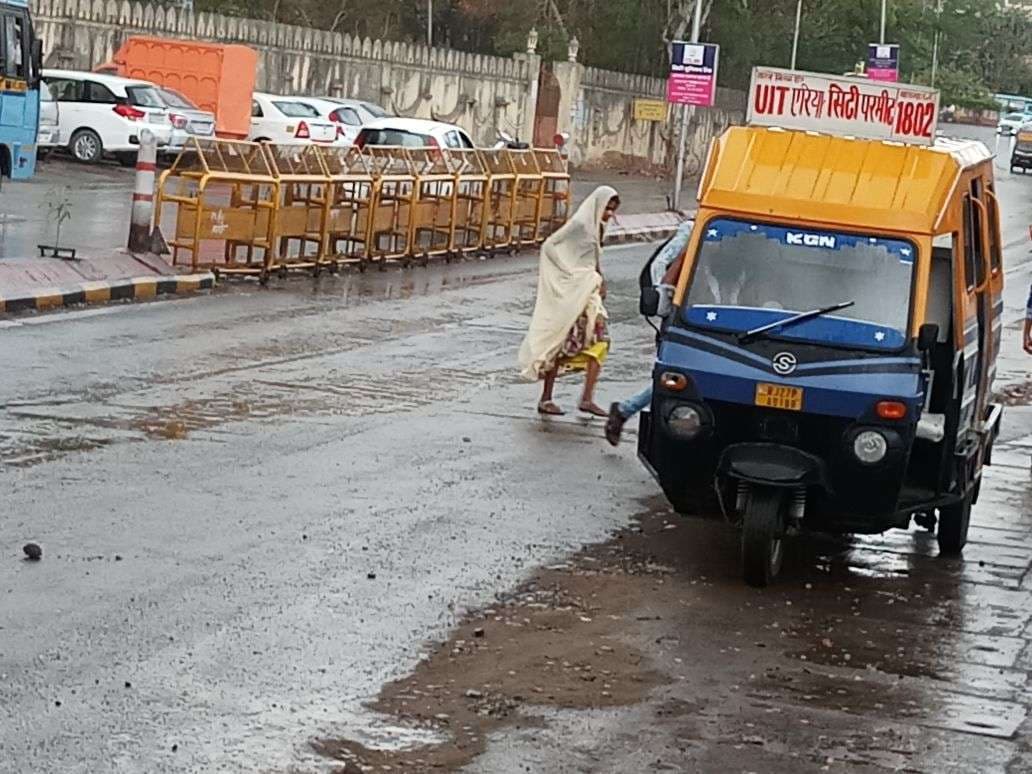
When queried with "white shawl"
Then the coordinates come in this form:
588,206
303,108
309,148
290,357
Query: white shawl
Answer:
568,284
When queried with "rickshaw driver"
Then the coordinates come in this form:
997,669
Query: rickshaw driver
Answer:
748,270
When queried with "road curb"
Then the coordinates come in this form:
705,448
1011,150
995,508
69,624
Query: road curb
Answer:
134,288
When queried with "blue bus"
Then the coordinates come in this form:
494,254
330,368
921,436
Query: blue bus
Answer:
1014,103
21,64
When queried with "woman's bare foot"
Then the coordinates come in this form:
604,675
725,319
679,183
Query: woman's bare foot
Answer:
594,409
549,408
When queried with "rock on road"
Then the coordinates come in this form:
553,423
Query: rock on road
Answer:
260,509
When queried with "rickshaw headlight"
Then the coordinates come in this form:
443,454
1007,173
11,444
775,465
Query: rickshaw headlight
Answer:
870,447
685,421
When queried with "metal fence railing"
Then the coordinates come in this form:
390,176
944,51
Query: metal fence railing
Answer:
260,209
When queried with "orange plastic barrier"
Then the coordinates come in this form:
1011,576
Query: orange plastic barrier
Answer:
258,209
225,196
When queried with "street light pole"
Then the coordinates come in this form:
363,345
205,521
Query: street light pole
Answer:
935,41
685,116
429,23
881,38
795,38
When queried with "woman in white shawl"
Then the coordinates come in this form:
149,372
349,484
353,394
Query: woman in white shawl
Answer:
569,330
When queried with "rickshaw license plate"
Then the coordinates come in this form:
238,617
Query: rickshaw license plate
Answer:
779,396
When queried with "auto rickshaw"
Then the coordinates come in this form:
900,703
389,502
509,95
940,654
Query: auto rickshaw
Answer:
1021,154
828,362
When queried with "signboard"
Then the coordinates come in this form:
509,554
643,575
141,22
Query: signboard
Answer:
883,62
844,106
650,110
693,73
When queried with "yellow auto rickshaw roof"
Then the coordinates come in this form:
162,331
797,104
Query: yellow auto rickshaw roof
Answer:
867,185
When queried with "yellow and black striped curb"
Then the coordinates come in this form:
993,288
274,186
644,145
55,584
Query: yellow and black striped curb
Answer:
138,288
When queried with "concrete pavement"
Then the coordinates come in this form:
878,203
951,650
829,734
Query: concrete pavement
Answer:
39,284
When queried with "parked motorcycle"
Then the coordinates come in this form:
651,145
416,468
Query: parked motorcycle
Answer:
506,140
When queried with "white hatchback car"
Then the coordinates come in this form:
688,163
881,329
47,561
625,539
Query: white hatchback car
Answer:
1011,122
104,114
413,133
345,117
288,121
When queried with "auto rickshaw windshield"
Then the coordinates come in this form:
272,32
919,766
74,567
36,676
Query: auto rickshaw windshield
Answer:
748,275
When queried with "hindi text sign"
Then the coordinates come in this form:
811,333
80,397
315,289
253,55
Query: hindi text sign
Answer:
693,73
853,107
650,110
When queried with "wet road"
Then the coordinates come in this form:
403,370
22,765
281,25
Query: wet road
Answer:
257,508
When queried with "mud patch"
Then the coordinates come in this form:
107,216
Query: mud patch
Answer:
674,664
556,642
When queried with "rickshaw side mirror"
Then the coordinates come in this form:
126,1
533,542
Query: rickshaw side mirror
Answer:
648,304
927,335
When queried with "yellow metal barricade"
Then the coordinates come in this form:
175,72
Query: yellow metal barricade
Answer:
301,207
527,204
501,200
555,191
471,192
350,202
433,214
391,206
222,194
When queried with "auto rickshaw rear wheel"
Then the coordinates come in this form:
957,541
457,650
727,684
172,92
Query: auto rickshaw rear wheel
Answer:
954,521
763,529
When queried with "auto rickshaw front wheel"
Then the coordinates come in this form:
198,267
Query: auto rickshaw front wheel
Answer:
954,521
763,529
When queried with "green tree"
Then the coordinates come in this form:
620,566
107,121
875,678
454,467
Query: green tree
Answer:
982,46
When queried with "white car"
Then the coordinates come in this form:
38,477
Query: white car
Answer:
413,133
348,116
364,111
1011,122
188,120
104,114
49,135
288,121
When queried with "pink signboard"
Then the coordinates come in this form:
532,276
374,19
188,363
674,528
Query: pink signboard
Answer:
883,62
693,74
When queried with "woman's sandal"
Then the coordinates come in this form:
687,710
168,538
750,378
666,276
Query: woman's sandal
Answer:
594,409
548,408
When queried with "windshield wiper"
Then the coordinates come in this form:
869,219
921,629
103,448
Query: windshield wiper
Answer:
745,338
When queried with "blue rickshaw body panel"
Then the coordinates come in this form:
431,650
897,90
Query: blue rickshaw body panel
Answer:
844,388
